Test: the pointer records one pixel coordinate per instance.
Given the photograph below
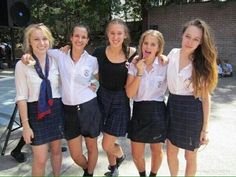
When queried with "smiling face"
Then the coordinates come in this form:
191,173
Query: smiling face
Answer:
79,38
150,47
191,38
39,42
116,34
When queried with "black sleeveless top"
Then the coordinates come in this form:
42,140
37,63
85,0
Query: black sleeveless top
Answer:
112,76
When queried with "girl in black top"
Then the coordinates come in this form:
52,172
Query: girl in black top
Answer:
114,103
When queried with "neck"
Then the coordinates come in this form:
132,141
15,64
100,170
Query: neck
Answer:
116,50
41,57
76,54
185,54
149,61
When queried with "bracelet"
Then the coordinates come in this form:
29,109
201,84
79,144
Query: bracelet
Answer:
23,121
204,131
139,75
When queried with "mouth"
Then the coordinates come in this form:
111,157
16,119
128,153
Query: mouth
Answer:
146,54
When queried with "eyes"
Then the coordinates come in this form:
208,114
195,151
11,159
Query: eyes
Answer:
152,44
81,36
196,39
39,39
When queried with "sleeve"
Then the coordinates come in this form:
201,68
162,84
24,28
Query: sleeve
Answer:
21,82
132,70
55,53
95,66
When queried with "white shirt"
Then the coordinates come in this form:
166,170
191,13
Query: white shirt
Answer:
76,77
179,82
153,83
28,82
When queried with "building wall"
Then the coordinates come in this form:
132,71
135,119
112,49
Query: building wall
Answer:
220,16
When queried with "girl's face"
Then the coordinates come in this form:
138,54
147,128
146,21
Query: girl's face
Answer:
79,39
191,38
150,47
116,35
39,42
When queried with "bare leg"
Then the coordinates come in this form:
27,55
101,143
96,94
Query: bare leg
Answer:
40,156
112,149
56,157
191,163
138,155
76,152
157,156
91,144
172,158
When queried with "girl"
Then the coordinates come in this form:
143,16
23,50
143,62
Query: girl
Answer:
191,77
114,103
39,100
146,84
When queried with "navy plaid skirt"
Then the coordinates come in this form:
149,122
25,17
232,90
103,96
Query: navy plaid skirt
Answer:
148,123
115,109
51,127
185,121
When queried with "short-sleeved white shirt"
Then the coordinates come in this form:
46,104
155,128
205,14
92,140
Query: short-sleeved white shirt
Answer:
76,77
179,82
28,82
153,83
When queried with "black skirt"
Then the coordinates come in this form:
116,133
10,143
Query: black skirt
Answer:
51,127
83,119
185,121
115,109
148,123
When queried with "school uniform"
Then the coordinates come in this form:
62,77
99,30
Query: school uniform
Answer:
82,114
148,122
112,98
28,83
184,111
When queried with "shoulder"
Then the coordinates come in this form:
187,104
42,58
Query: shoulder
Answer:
174,51
99,49
90,57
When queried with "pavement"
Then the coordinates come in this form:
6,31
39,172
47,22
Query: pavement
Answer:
218,158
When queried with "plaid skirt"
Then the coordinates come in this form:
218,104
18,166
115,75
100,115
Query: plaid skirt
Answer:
51,127
115,110
83,119
148,123
185,121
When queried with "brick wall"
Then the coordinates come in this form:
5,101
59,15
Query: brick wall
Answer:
220,16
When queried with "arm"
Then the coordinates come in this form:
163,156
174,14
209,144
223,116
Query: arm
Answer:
27,131
133,82
21,97
206,101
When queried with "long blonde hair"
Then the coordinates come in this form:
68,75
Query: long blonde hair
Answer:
204,74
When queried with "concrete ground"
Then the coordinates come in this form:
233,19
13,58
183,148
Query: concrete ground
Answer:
218,158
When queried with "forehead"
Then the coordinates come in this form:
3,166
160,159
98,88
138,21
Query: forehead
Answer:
116,27
37,33
194,31
150,38
80,30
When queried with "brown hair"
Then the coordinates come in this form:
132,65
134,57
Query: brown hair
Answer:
125,44
204,74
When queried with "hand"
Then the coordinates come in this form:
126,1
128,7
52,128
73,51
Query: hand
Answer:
135,59
93,87
27,59
164,59
65,48
28,135
140,65
204,138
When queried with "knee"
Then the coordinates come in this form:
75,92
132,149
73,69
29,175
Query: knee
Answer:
190,157
41,162
56,151
137,157
107,147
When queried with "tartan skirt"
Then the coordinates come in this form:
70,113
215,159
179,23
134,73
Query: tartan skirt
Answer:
83,119
148,123
51,127
185,121
115,110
